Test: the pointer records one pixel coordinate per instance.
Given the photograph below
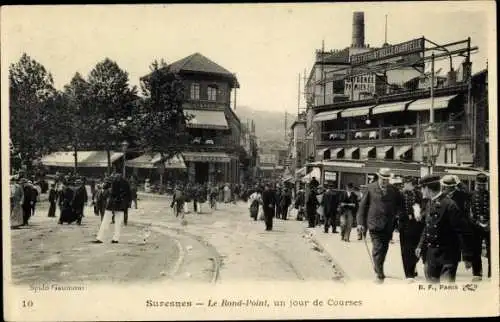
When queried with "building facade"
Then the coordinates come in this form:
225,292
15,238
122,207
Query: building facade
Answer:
214,128
380,119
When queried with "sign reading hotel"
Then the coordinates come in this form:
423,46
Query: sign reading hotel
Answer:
410,47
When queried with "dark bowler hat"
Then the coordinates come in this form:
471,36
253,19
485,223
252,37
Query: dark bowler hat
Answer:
429,179
449,181
384,173
481,178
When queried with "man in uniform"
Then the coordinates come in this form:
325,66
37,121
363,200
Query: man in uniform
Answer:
446,233
480,213
377,212
410,227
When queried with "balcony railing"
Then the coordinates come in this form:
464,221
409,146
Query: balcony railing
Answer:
409,133
204,104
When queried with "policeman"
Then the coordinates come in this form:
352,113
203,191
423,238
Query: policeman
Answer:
410,226
480,213
446,234
451,185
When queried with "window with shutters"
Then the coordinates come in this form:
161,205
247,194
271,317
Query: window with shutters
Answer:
450,156
212,93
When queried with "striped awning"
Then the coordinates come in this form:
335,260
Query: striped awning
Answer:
326,116
402,150
85,159
425,104
322,151
356,111
206,119
390,107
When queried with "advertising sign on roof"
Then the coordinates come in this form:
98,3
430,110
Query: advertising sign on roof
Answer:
410,47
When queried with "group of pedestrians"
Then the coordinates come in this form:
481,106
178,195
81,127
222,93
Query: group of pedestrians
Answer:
437,223
24,195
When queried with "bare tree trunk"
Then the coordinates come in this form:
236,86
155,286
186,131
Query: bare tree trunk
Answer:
75,153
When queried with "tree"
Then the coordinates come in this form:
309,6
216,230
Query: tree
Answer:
161,123
111,103
76,127
31,95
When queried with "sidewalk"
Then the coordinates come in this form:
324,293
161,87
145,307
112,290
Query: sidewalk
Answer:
353,259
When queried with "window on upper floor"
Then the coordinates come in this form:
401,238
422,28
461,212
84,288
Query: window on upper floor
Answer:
195,91
450,155
212,93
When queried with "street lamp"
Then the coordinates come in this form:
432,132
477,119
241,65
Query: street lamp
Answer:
124,149
432,147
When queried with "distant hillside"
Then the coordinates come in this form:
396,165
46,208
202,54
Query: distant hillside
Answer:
269,126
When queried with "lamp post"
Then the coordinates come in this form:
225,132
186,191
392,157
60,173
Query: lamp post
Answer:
431,143
124,149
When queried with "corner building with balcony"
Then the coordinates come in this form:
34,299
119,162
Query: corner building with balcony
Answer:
214,128
356,138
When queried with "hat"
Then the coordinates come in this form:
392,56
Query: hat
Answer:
395,180
384,173
425,181
78,181
449,181
409,179
481,178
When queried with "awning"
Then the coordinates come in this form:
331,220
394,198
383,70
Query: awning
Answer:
322,151
335,152
220,157
326,116
356,111
365,151
289,179
150,161
300,172
425,104
315,172
402,150
343,164
349,152
89,159
382,151
206,119
390,107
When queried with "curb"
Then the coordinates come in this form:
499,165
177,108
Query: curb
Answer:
335,265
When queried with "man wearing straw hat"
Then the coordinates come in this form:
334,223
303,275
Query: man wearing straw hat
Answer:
377,212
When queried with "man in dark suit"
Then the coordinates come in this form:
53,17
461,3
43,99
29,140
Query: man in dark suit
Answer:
480,216
330,204
377,212
447,233
410,226
268,199
118,202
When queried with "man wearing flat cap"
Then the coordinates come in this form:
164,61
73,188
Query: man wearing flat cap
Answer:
480,213
377,212
447,233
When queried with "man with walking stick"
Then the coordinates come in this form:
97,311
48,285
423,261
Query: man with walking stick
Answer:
379,207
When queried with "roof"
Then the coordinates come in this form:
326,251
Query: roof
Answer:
339,57
198,63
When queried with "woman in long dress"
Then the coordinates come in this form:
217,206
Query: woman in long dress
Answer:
227,194
16,201
255,201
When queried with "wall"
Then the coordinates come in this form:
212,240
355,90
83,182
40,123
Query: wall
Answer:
223,89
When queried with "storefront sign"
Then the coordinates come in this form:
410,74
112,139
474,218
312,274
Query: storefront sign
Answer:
330,176
403,49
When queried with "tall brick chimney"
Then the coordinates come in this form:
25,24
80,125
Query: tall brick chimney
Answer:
358,29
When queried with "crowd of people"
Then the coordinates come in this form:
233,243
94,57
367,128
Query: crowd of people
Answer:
438,220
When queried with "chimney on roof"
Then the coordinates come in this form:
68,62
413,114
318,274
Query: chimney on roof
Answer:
358,29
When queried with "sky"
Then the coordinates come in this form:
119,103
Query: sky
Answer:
265,45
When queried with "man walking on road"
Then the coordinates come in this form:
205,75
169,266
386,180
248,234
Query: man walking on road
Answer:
447,232
480,208
330,204
268,199
118,203
377,212
410,227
